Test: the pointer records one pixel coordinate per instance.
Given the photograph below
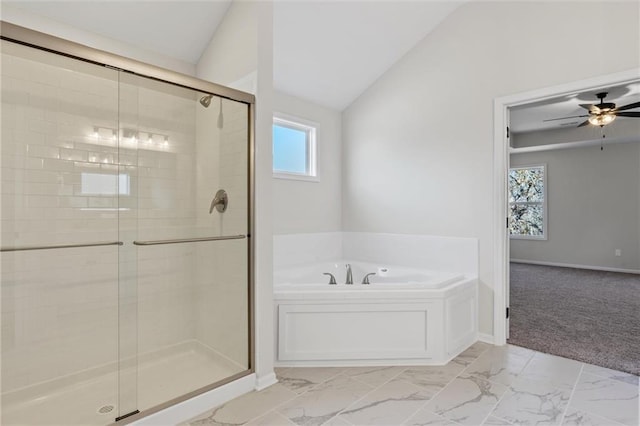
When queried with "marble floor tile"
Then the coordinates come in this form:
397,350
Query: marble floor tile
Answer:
471,353
552,369
608,398
390,404
432,379
374,376
272,418
486,385
500,364
337,421
467,400
324,401
575,417
495,421
300,380
425,417
611,374
528,402
518,350
245,408
280,370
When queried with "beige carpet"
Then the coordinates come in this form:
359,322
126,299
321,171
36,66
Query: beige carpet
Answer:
589,316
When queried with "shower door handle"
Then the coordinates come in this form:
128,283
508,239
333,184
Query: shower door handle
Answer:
61,246
188,240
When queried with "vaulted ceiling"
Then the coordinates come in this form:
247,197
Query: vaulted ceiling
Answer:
331,51
178,29
327,52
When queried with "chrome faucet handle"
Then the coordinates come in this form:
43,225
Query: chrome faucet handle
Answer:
332,279
219,202
365,280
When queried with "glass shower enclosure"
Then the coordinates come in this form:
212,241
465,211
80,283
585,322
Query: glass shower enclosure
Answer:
125,234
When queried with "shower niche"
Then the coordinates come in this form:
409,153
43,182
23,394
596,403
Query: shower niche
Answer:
121,291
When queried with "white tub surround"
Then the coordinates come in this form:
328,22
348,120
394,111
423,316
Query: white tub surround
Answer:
419,310
303,249
425,252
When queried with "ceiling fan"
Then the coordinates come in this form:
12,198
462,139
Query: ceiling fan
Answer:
603,113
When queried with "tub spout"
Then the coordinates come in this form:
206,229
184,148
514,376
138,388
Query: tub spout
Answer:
349,274
332,279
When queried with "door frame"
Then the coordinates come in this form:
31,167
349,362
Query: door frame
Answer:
501,167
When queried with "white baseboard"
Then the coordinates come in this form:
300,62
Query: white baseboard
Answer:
266,381
486,338
569,265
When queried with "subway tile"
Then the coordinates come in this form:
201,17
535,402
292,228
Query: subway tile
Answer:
58,165
73,155
43,151
41,126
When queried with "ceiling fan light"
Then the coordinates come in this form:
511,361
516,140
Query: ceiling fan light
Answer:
602,119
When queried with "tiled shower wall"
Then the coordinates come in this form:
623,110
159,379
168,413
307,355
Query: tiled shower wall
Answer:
222,321
60,307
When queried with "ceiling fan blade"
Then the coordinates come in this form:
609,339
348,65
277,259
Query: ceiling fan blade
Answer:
584,123
627,114
630,106
590,108
564,118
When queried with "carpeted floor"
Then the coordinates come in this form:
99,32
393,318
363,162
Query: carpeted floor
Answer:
589,316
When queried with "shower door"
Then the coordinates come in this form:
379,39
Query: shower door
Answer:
121,288
188,260
60,242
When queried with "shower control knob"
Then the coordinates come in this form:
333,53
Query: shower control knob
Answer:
219,202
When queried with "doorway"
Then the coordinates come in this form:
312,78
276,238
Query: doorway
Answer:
501,168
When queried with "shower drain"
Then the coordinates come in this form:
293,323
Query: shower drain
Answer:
106,409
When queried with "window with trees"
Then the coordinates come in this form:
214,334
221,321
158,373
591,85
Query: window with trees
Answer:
527,202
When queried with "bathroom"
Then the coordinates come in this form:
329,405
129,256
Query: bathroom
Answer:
399,183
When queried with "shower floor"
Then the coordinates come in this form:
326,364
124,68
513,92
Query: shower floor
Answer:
160,378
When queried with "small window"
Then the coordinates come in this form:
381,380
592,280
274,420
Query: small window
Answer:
105,184
527,202
294,149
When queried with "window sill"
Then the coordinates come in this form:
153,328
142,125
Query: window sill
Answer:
291,176
528,237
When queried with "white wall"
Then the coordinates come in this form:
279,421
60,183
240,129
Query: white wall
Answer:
304,206
232,53
241,49
418,143
593,203
39,23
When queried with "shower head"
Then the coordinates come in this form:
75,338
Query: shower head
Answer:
206,100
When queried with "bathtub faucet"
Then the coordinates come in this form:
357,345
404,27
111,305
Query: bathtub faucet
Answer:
349,275
365,280
332,279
